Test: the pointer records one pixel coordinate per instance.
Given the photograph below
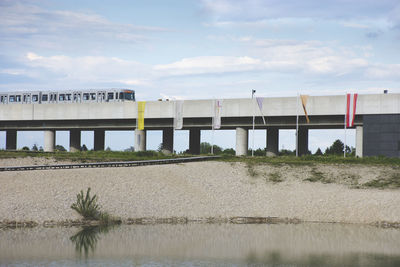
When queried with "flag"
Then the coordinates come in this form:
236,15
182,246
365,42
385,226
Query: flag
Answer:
140,116
260,106
217,114
178,117
304,99
351,109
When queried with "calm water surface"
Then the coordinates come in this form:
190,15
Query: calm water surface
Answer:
202,245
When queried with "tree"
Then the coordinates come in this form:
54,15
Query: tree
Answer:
229,151
336,148
60,148
35,148
108,149
25,148
318,152
129,149
84,148
205,148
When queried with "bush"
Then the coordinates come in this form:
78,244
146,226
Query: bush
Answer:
87,206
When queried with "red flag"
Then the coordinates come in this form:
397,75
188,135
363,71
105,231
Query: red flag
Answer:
351,109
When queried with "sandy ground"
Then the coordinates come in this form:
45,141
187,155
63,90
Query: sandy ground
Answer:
200,190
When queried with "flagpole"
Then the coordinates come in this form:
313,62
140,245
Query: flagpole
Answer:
297,125
345,124
212,132
252,100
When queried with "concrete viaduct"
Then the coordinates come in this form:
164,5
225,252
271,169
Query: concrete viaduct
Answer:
377,121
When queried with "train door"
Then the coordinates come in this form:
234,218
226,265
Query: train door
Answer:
77,97
3,99
53,97
101,96
26,98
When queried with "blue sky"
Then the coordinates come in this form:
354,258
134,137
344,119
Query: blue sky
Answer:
201,49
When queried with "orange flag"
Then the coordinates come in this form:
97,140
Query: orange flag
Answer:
304,99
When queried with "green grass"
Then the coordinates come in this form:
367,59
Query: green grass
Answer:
90,156
317,176
275,177
390,182
311,160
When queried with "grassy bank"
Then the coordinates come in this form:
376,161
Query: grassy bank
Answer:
312,159
89,156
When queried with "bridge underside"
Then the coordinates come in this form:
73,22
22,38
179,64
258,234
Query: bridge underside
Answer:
375,134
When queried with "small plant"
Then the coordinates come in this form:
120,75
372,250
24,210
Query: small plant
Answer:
250,169
317,176
275,177
392,182
87,206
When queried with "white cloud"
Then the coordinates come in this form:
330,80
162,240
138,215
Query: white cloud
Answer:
28,25
210,64
93,69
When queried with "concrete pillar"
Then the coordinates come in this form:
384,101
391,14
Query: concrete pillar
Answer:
140,140
99,136
74,140
194,141
359,141
168,141
272,142
242,141
303,141
11,139
49,140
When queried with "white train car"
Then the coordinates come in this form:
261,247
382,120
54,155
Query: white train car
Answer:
82,96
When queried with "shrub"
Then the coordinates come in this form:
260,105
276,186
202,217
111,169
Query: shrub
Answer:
87,206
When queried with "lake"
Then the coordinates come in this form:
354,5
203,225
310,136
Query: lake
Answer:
305,244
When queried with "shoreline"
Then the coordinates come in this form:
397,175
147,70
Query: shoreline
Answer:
4,225
204,191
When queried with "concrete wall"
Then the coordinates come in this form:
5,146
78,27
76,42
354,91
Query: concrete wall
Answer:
280,106
381,135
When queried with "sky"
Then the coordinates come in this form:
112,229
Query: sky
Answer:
200,49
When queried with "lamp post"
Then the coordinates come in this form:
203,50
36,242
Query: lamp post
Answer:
252,101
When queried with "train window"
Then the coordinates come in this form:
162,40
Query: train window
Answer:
121,95
17,98
12,98
45,97
68,97
92,96
85,96
128,96
110,96
35,98
1,99
61,97
116,95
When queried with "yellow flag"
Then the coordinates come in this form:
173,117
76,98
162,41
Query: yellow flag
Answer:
140,118
304,99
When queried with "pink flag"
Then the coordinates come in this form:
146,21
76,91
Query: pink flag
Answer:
351,109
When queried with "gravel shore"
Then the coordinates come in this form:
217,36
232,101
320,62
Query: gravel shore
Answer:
202,190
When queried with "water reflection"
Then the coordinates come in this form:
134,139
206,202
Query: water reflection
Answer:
276,258
86,239
202,245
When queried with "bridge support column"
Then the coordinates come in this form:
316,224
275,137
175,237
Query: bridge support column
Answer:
140,140
359,141
99,136
242,141
272,142
11,139
74,140
168,141
49,140
302,139
194,141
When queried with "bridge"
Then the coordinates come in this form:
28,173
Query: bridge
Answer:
377,121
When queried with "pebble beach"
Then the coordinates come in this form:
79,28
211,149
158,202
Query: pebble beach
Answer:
200,190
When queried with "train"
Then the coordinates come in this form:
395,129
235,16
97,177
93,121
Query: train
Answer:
71,96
